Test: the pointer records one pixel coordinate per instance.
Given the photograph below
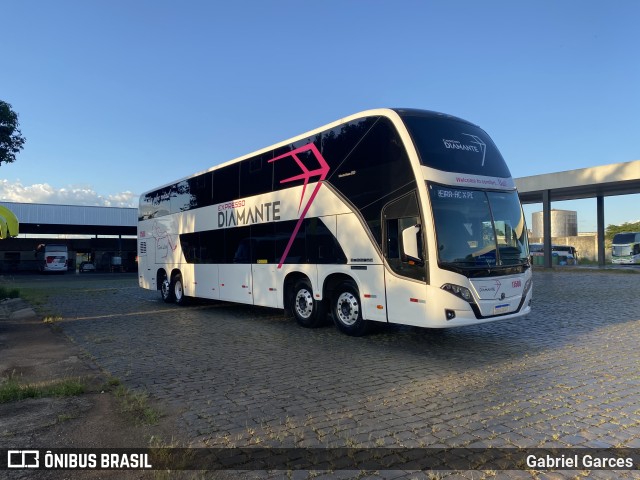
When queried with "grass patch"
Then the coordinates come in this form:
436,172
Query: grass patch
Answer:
178,459
9,292
110,384
35,297
136,405
52,319
11,390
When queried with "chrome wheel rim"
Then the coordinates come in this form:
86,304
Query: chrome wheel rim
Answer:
304,303
347,309
165,288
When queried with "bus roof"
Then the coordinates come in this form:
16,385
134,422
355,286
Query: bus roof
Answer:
391,113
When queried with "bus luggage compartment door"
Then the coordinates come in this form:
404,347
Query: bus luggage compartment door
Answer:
265,291
235,283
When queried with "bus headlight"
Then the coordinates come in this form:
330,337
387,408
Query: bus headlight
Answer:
460,292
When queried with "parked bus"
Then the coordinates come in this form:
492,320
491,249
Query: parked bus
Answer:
625,248
52,258
390,215
561,254
567,255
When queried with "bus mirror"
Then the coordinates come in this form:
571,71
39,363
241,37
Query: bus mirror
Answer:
410,244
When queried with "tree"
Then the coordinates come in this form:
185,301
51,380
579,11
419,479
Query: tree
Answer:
625,227
11,139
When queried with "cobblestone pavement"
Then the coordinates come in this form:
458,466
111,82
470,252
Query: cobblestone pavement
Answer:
568,375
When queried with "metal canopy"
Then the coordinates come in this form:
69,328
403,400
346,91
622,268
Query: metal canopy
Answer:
74,219
603,181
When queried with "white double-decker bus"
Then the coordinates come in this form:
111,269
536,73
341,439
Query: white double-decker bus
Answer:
389,215
625,248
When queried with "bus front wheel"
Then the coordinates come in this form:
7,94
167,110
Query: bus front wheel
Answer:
346,310
306,310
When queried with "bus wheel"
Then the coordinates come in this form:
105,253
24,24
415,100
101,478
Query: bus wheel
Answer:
177,290
166,291
347,311
307,311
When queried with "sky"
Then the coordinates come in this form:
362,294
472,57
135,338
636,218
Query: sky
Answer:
118,97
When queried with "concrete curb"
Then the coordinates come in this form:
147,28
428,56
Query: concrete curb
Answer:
16,309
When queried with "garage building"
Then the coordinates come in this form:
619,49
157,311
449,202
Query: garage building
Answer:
104,236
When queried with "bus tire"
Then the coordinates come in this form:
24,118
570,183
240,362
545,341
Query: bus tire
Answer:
307,312
346,310
166,291
177,289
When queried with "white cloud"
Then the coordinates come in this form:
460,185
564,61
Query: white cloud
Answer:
69,195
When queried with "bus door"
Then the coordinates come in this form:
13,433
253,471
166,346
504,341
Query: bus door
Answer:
404,253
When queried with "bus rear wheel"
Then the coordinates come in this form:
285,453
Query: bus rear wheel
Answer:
177,289
166,291
346,310
306,310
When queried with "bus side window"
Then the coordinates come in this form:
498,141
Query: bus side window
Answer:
400,215
398,260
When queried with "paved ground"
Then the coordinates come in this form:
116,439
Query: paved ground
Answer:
568,375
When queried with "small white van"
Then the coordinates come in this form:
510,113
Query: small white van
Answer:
52,258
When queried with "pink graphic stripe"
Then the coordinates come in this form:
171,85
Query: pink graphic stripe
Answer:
306,174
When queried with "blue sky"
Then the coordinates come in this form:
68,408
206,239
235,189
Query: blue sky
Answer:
118,97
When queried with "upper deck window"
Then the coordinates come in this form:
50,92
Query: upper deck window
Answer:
454,145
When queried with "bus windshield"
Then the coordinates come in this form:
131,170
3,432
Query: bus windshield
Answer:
625,238
476,228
